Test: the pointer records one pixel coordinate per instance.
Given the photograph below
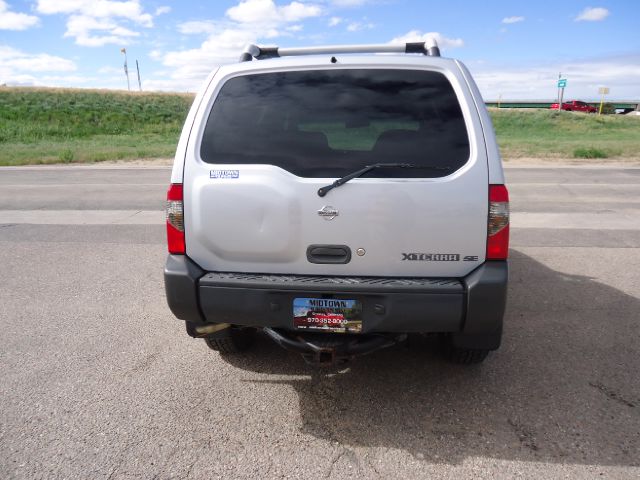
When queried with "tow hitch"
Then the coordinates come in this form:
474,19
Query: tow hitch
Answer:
332,349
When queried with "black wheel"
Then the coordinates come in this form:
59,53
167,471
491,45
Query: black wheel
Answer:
231,340
462,354
466,356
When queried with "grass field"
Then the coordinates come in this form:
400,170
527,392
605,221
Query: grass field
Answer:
546,133
56,125
64,126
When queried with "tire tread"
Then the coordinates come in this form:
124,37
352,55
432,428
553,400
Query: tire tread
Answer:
466,356
235,341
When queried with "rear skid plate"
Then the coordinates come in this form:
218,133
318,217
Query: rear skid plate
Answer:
343,352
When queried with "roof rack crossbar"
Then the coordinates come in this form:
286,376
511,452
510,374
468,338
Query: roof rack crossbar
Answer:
430,47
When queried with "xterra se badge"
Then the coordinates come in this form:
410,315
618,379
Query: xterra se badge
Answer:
438,257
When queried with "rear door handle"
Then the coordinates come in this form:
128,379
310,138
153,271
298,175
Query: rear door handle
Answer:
329,254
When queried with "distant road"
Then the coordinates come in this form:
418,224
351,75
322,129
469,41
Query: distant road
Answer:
626,104
569,197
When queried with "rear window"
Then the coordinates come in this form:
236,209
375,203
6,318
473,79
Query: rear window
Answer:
329,123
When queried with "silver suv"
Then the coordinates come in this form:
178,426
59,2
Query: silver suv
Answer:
338,201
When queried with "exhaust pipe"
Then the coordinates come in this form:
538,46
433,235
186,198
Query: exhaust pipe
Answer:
204,330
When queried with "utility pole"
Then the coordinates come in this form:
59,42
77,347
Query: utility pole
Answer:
126,69
139,82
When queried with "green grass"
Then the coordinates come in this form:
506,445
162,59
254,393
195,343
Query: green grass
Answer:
589,152
545,133
64,126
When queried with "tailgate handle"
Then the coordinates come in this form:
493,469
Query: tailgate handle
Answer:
335,254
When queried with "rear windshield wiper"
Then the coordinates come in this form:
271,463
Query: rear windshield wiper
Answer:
341,181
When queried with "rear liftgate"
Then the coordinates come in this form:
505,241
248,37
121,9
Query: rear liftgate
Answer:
319,335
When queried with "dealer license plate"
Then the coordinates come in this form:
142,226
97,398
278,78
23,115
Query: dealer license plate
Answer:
327,315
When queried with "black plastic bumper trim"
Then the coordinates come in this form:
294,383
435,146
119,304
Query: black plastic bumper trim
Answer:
471,307
486,292
393,305
181,277
333,283
397,312
486,299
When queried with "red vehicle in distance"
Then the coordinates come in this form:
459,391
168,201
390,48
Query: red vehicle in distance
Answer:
575,106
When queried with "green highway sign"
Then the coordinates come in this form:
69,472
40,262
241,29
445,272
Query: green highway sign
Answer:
562,83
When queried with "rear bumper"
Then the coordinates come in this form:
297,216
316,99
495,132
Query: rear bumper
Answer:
472,306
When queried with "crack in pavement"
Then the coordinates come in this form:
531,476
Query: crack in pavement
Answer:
612,394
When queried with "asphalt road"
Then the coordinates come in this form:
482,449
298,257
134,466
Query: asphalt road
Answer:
98,380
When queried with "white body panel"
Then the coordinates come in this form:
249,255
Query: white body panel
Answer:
264,220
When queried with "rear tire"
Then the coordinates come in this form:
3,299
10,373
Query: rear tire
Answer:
469,351
231,341
466,356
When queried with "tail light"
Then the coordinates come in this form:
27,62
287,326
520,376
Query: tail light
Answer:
498,225
175,219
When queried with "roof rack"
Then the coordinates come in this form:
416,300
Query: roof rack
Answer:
430,47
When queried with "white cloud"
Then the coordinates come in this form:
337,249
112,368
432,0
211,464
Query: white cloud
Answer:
349,3
17,67
188,68
334,21
196,27
82,28
28,62
592,14
94,23
621,74
15,21
162,10
267,12
512,19
418,36
250,21
131,10
108,69
357,26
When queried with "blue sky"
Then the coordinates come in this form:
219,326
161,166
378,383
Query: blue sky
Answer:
515,49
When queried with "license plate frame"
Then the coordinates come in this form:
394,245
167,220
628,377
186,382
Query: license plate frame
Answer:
328,315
